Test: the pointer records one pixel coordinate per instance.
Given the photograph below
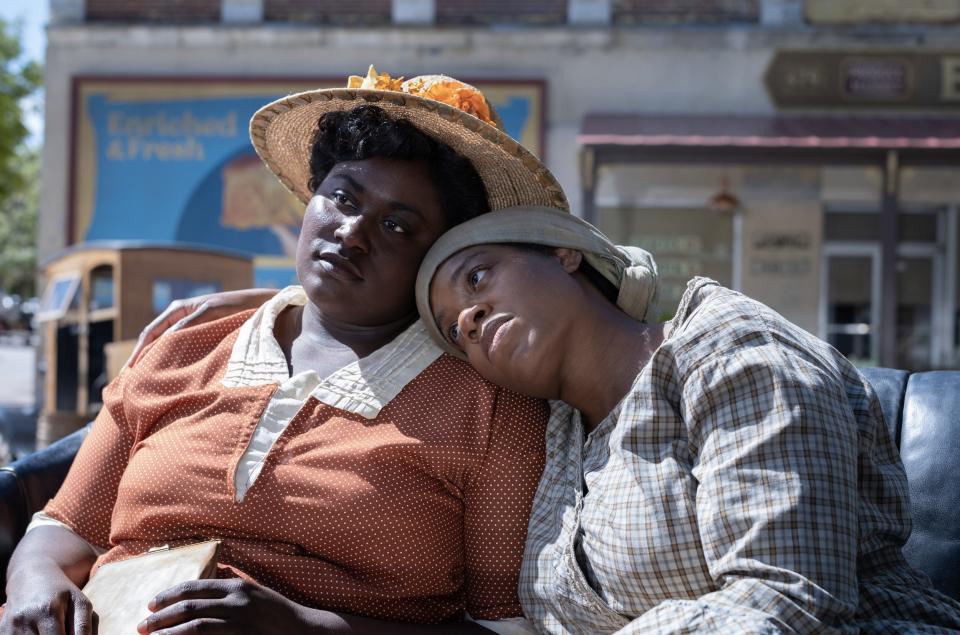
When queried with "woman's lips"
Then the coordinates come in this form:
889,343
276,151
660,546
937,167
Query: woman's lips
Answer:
493,331
339,267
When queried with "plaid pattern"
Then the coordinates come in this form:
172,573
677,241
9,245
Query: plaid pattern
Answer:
746,484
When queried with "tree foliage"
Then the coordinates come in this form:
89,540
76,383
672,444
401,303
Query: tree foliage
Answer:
19,167
18,228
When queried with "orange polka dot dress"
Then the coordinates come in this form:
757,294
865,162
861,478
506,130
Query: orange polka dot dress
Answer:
418,513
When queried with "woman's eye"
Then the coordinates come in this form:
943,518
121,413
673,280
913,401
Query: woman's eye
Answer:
340,198
454,332
476,276
394,226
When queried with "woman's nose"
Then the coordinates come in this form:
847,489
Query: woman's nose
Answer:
470,319
352,233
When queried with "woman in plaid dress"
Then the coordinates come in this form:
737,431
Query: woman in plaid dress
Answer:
725,471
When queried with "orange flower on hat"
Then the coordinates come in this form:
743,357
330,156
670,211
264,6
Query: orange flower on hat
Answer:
466,98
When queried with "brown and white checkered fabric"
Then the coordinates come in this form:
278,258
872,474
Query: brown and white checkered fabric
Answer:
746,484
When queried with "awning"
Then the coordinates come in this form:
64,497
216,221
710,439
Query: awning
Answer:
772,131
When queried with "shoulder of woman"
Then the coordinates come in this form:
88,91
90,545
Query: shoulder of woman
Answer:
713,321
707,306
460,375
192,345
462,382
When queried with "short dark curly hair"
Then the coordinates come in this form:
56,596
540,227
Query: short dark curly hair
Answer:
368,131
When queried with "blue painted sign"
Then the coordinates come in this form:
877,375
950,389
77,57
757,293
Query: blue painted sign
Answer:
160,161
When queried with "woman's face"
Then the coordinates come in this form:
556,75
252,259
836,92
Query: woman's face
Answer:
508,309
364,233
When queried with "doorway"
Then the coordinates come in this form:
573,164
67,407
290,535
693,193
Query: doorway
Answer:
851,287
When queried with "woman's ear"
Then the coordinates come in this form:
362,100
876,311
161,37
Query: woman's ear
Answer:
570,259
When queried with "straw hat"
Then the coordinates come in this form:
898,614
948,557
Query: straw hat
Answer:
282,132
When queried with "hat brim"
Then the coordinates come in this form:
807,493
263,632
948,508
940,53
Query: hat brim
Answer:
282,132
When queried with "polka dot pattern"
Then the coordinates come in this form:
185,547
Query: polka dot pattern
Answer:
415,515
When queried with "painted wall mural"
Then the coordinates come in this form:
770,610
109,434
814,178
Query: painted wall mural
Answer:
169,160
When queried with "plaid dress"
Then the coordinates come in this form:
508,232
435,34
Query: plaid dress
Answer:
746,484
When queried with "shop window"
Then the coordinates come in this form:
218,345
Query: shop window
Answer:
101,287
59,297
851,310
68,366
685,242
914,312
852,288
99,335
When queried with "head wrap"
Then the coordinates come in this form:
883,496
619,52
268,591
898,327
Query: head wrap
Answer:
630,269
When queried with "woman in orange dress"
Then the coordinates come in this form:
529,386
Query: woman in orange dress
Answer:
359,479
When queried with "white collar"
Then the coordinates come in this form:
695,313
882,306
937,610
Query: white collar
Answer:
363,387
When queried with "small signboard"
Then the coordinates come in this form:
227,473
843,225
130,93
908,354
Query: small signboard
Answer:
871,79
818,79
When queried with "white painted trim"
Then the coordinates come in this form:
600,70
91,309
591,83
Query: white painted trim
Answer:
413,12
736,252
781,13
589,12
241,11
64,12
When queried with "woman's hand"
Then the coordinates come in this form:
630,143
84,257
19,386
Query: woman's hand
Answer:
44,577
239,607
46,602
199,310
226,606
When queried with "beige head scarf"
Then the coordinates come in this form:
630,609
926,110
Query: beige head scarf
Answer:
631,269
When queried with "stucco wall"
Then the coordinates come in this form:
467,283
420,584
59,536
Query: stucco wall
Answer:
647,70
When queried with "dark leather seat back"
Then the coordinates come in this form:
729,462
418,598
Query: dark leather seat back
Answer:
923,411
27,485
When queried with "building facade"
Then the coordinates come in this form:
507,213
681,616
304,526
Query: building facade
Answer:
805,152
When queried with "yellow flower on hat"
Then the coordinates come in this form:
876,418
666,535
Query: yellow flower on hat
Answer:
375,81
436,87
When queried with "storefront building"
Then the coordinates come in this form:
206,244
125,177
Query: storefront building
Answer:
805,152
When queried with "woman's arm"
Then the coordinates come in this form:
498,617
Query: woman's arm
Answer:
44,577
51,563
237,607
775,449
199,310
497,500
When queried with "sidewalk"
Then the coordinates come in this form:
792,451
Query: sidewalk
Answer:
17,371
17,418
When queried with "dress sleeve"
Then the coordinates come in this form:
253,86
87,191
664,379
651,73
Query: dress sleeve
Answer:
497,500
85,501
774,449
